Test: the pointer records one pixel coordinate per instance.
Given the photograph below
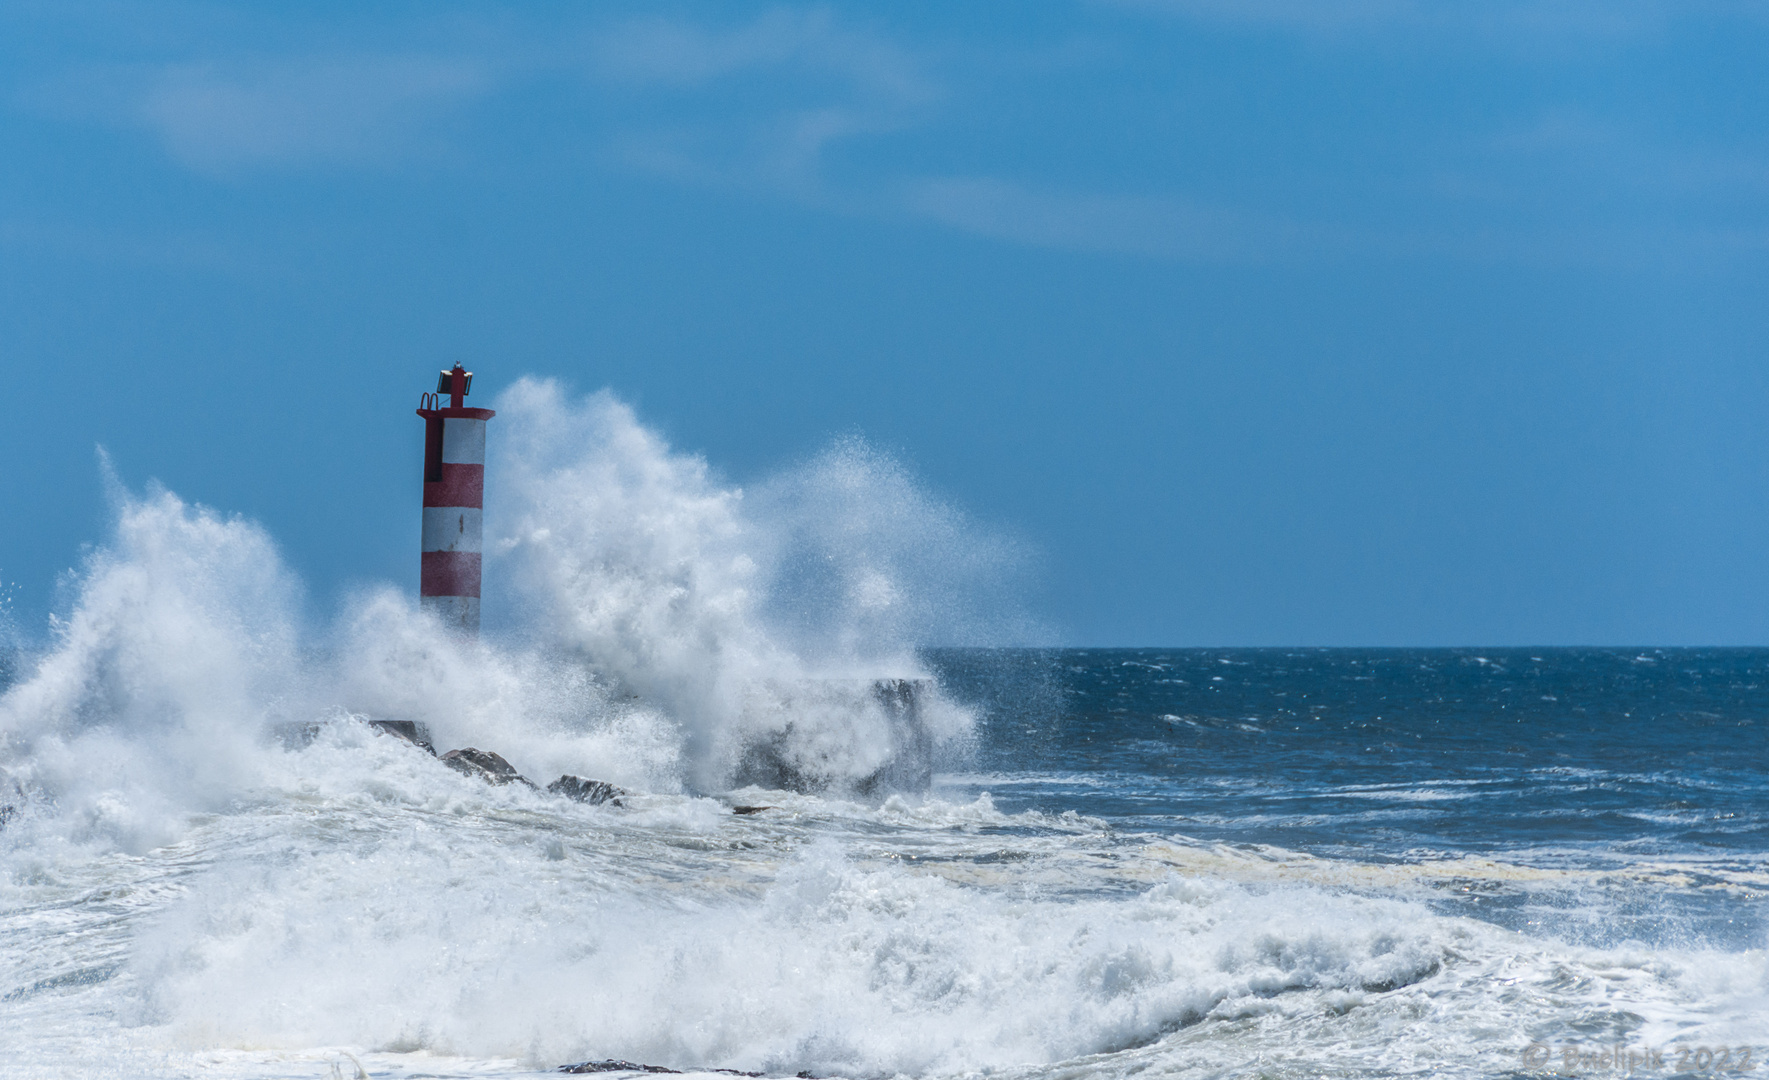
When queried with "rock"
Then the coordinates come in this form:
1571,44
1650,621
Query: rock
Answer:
14,793
911,767
300,734
295,734
786,759
485,764
412,732
594,792
613,1065
749,809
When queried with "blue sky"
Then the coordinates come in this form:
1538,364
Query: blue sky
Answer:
1263,322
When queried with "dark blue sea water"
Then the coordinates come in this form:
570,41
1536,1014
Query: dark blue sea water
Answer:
1577,759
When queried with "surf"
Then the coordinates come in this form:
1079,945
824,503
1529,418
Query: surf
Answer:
188,890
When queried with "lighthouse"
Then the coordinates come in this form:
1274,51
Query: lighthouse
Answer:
454,497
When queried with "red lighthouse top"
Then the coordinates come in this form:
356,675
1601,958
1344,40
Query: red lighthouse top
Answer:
455,383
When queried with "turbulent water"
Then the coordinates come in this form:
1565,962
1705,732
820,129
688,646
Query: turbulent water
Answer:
1185,863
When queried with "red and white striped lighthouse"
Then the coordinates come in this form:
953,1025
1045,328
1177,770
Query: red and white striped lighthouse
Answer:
454,496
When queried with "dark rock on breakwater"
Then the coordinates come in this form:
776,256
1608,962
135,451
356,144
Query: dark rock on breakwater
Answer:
493,768
12,796
485,764
296,734
782,760
614,1065
594,792
409,730
488,765
300,734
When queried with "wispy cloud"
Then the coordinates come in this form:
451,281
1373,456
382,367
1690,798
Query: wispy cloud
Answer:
789,86
1532,23
1310,14
782,153
1165,228
758,102
829,111
657,50
781,141
828,86
302,111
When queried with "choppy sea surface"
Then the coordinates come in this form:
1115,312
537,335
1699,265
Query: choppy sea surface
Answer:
1187,863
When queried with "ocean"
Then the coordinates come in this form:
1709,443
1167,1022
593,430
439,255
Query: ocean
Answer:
1192,862
1115,863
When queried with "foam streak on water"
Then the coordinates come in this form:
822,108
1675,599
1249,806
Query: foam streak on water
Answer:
1201,864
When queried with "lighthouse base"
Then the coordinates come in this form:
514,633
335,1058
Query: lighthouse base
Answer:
459,613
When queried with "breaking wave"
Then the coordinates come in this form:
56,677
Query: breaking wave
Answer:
654,624
208,866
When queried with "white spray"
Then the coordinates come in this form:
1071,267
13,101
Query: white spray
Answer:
652,621
739,615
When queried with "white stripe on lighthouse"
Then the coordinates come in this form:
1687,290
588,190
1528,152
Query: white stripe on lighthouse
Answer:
463,441
461,612
452,528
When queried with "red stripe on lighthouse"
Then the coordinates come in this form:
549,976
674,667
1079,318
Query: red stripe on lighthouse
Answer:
461,485
449,573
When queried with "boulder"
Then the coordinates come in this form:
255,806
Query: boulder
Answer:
295,734
412,732
12,797
613,1065
594,792
300,734
785,759
911,767
486,765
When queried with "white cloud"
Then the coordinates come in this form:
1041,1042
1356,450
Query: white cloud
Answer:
781,153
812,84
1310,14
780,140
668,51
1163,228
1530,24
300,112
813,107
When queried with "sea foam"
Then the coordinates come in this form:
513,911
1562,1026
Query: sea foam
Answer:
184,890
